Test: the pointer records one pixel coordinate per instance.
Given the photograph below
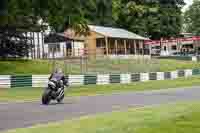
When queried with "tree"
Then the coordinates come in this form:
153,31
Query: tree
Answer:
104,12
170,20
151,18
13,43
3,12
18,19
21,16
98,12
192,18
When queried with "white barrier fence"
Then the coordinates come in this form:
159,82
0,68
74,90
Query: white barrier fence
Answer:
9,81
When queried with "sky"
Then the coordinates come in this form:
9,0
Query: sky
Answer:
188,3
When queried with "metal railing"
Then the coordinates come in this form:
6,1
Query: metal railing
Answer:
84,61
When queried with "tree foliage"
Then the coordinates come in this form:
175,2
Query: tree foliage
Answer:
154,18
17,18
150,18
20,16
192,18
13,43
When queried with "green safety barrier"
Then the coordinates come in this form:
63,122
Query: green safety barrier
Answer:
195,71
90,79
115,79
167,75
135,77
152,76
21,81
181,73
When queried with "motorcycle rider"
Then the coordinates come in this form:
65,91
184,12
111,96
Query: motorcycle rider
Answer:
59,76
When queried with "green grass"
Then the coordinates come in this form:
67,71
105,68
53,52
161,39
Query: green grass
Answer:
25,94
25,67
174,118
94,66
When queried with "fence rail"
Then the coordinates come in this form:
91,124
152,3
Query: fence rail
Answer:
9,81
79,52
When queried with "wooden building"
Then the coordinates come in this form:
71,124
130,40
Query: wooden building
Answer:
110,41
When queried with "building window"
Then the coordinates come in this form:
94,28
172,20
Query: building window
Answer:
100,43
174,47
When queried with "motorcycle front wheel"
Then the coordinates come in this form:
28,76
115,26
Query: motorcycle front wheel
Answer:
61,99
46,97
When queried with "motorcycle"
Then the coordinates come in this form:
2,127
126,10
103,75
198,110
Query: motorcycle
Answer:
53,91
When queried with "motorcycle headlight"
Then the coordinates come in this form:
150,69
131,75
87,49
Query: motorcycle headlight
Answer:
52,84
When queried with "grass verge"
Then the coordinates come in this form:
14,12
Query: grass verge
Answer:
17,67
183,118
26,94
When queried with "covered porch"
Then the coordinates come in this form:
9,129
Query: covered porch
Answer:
120,46
117,42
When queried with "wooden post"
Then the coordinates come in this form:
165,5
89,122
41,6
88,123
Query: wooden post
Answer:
27,54
38,45
30,35
106,40
43,56
73,51
54,49
142,46
150,49
195,43
125,47
101,48
135,49
63,51
198,43
116,48
34,45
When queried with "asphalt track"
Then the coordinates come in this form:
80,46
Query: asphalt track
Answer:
19,115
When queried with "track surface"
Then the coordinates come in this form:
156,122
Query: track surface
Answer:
19,115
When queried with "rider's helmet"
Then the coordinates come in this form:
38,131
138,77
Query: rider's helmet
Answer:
58,70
